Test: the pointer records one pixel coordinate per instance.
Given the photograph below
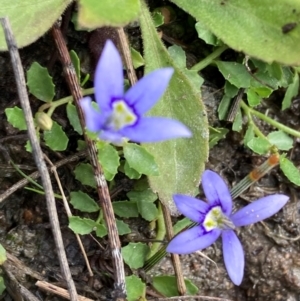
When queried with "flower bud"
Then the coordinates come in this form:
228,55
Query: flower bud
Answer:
43,121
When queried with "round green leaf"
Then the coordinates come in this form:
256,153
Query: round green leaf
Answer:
281,140
56,138
122,227
290,170
134,254
135,288
84,173
81,226
265,29
15,116
83,202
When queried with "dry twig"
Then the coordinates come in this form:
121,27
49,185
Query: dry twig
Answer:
38,155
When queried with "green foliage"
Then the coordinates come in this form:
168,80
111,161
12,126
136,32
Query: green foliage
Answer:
76,63
167,286
81,226
40,83
140,159
15,117
94,13
134,254
292,91
125,209
2,285
83,202
137,58
131,173
290,170
281,140
73,118
180,161
206,35
30,16
254,19
56,138
84,174
2,255
136,289
215,135
122,227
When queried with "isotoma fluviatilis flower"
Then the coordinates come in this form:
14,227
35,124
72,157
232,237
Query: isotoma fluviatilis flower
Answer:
120,114
214,218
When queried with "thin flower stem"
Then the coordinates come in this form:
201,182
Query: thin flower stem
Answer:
209,59
271,121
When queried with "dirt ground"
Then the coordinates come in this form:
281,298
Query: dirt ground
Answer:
272,271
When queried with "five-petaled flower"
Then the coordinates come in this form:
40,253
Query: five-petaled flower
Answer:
120,114
215,218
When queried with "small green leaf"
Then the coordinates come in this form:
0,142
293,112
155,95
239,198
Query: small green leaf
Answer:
238,121
158,18
83,202
125,209
275,70
134,254
131,173
2,255
109,159
292,91
15,116
81,226
253,98
94,13
140,159
73,118
215,135
290,170
167,286
137,58
135,288
56,138
147,210
139,196
281,140
249,134
101,230
84,174
230,92
2,285
259,145
206,35
76,63
40,83
123,228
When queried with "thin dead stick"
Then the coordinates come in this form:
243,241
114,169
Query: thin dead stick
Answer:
50,288
36,175
126,55
69,213
175,257
38,155
189,297
235,105
102,189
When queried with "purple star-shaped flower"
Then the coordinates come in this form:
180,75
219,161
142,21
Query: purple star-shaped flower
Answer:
215,218
121,115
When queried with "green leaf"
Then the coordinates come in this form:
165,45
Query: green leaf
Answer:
158,18
131,173
94,13
2,285
249,134
40,83
167,286
101,230
137,59
238,24
180,161
81,226
253,98
206,35
76,63
140,159
83,202
30,19
215,135
292,91
122,227
281,140
56,138
135,288
145,195
259,145
84,173
15,116
73,118
147,210
134,254
238,121
2,255
109,159
125,209
230,92
290,170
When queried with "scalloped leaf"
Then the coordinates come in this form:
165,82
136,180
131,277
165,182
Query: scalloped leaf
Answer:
30,19
180,161
265,29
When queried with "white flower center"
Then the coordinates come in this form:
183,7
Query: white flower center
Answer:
121,116
215,218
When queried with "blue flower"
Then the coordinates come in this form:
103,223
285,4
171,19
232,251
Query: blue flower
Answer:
120,114
215,218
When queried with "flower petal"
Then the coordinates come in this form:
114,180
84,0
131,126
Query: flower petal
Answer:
148,90
94,120
112,137
233,256
259,210
108,80
216,191
153,129
190,207
192,240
